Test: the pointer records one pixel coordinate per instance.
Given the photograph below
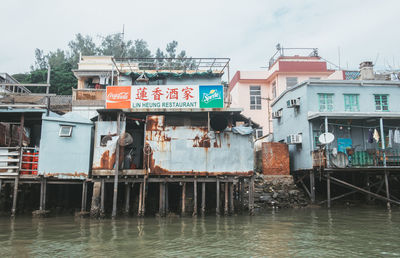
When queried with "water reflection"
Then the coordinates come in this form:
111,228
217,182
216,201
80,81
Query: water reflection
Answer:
309,232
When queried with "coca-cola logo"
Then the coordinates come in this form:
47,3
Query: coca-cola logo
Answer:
118,96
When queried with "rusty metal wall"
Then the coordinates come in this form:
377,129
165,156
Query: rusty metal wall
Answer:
190,150
275,158
104,156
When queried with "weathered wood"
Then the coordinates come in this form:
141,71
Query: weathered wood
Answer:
305,189
387,188
226,199
166,199
143,211
94,208
102,189
84,196
251,195
41,195
44,193
217,210
127,198
183,209
16,181
203,198
241,192
312,186
231,199
115,195
195,198
328,189
140,199
160,200
363,190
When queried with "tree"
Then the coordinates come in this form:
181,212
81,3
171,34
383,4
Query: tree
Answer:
139,50
115,45
83,45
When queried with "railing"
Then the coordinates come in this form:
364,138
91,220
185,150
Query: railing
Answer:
9,160
12,164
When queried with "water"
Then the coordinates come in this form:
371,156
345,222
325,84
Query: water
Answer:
307,232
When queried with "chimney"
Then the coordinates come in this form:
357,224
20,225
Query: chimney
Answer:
367,71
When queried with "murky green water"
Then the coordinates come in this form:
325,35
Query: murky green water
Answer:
308,232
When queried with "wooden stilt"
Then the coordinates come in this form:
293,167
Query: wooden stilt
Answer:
328,188
143,211
1,184
84,196
95,208
312,186
140,199
41,195
115,195
226,199
16,181
44,193
387,189
241,193
160,203
203,199
251,195
183,198
102,196
166,199
231,199
217,195
127,197
195,198
368,187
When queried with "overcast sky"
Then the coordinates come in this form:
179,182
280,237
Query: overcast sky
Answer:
245,30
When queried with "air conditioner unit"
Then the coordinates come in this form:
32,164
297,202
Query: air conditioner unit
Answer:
294,139
277,114
293,103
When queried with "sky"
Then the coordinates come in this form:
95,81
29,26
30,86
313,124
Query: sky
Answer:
246,31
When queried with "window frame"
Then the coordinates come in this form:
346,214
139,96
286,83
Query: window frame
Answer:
325,98
287,84
349,105
255,97
63,134
381,105
256,131
274,89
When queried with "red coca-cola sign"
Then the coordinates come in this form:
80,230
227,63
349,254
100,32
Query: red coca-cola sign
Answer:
118,97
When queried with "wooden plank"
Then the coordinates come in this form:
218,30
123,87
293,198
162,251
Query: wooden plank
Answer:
218,200
195,198
115,195
183,210
226,199
203,198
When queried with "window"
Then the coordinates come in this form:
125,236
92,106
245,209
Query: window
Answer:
291,81
274,90
255,97
381,102
351,102
259,133
65,131
325,102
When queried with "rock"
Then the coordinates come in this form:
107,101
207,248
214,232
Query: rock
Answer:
265,198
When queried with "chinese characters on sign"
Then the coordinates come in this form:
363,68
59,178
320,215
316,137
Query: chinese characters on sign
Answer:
166,96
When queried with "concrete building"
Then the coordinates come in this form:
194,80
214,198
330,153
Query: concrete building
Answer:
254,91
362,118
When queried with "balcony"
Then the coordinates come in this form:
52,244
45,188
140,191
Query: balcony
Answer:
88,97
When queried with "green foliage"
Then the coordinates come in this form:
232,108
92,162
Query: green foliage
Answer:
62,62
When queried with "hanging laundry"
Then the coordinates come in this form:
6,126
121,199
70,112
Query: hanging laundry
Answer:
390,145
376,135
396,136
370,136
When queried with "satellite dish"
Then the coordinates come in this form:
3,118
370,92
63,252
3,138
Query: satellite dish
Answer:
326,138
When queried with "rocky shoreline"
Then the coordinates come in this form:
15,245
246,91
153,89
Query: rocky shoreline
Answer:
278,192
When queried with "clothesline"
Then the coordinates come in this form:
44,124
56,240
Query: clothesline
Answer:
365,127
